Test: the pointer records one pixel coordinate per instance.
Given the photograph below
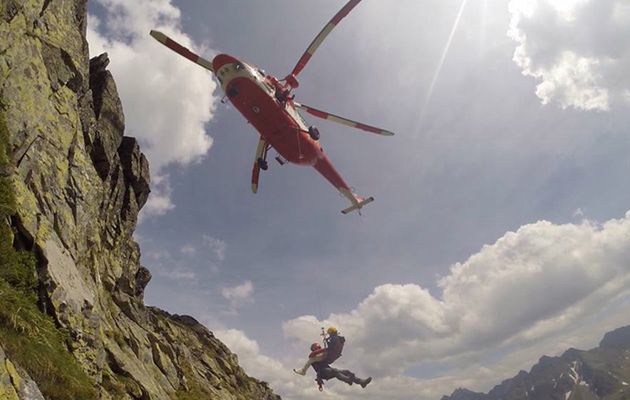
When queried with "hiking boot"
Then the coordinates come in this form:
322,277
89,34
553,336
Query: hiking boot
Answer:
365,382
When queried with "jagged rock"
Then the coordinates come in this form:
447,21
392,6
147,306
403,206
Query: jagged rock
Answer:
143,277
570,355
600,373
15,384
79,186
136,169
98,65
10,9
61,68
464,394
619,338
110,123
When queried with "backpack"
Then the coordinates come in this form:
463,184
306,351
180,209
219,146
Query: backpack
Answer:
334,349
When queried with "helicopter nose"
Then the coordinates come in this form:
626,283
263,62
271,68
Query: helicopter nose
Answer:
221,60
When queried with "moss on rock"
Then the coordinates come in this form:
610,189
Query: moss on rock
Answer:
29,337
73,196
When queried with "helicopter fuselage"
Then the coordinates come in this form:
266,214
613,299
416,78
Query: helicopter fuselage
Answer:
268,105
265,103
254,95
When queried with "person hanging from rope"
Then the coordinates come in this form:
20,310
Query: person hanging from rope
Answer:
318,353
321,358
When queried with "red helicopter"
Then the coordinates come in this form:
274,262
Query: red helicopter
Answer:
267,103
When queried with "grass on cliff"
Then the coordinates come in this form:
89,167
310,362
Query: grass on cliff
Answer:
28,336
195,390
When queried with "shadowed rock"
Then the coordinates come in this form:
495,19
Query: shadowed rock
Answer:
79,185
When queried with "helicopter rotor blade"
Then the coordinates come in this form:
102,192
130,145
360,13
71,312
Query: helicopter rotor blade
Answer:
344,121
322,35
181,50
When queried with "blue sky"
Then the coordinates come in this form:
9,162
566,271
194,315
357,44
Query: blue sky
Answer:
527,122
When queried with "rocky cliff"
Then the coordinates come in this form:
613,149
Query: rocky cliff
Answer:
600,373
73,324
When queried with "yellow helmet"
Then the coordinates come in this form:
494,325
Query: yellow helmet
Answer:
332,330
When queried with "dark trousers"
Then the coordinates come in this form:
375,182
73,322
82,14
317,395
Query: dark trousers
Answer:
343,375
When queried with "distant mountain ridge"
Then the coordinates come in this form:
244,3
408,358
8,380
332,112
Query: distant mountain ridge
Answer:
600,373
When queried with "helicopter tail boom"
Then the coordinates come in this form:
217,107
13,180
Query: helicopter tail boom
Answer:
358,205
358,202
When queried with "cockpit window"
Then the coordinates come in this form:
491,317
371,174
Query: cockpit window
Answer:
296,114
301,117
238,66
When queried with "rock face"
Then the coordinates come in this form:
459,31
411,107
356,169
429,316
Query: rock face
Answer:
600,373
16,384
80,184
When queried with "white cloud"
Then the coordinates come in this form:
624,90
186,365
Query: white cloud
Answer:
166,98
217,246
239,295
294,387
248,352
164,265
572,48
159,202
188,249
280,377
537,290
176,273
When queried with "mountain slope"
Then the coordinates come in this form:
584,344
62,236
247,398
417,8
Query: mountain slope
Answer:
600,373
79,184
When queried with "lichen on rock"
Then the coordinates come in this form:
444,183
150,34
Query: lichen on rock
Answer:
14,384
79,184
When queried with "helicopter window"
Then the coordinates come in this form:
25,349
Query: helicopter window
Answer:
232,91
300,116
296,114
238,66
270,88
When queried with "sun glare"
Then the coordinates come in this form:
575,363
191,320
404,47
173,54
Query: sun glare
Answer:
447,47
523,7
567,8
